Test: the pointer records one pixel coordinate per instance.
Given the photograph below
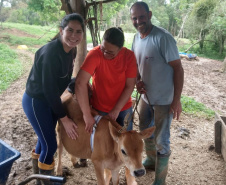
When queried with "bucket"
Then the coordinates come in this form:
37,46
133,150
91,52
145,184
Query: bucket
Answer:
7,156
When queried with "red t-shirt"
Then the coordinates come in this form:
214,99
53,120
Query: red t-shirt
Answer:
109,77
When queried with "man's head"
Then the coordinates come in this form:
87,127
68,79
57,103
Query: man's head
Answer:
141,18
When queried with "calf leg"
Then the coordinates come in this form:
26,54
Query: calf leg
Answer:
74,161
99,172
107,176
115,177
129,178
59,151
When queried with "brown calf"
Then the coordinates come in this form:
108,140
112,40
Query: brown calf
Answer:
111,149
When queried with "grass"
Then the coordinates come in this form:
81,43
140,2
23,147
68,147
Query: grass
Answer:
10,67
38,35
35,30
190,106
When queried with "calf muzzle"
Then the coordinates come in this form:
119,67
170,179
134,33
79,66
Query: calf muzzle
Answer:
139,173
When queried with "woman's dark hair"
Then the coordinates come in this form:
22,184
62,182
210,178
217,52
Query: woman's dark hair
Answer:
114,36
65,21
72,17
141,3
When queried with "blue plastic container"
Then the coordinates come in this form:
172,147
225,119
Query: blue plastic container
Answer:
7,156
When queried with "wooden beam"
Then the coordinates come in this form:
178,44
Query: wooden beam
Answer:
98,2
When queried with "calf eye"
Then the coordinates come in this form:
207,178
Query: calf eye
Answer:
123,152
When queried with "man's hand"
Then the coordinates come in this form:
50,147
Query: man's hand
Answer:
70,127
176,109
140,87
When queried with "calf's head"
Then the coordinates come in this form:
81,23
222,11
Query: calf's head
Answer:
130,148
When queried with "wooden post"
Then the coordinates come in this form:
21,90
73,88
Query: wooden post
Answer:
217,133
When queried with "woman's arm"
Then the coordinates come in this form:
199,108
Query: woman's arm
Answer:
126,93
81,91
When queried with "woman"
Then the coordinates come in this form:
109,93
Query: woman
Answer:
113,70
49,77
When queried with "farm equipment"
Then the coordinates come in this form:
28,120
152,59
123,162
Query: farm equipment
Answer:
8,155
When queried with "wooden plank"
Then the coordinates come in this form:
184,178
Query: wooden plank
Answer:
223,139
217,133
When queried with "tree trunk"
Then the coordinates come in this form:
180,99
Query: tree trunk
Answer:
182,26
201,38
221,40
78,6
1,5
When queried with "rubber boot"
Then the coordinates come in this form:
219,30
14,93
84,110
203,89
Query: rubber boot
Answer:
35,158
46,169
149,161
161,169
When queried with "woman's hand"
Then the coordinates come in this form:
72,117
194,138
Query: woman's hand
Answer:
89,121
70,127
140,87
113,114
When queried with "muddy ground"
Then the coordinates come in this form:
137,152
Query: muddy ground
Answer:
193,160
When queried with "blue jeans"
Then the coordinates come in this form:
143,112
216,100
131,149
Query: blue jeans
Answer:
156,115
121,117
43,121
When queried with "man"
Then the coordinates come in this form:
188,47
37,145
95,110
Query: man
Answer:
160,81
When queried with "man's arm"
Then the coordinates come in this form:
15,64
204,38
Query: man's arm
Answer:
178,79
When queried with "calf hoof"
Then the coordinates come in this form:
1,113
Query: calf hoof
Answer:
81,163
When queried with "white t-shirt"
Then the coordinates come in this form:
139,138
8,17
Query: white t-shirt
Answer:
153,54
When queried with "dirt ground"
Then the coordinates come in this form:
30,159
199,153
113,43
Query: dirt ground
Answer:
193,160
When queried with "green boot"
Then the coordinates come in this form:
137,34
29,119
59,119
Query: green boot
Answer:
149,161
161,169
34,158
46,169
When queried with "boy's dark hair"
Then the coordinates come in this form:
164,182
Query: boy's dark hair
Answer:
114,36
72,17
141,3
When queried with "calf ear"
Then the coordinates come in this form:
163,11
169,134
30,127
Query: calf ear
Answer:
114,132
147,132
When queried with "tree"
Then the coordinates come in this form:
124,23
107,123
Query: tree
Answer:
217,23
49,10
1,5
202,11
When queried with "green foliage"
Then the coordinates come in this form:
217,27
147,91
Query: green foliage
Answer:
203,9
49,9
190,106
5,13
10,67
128,40
209,50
